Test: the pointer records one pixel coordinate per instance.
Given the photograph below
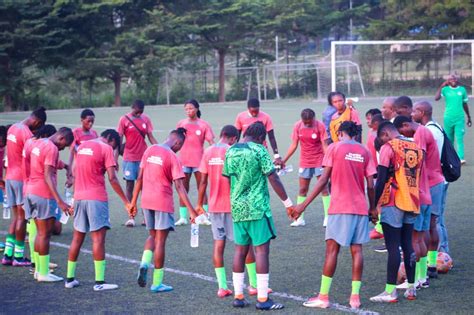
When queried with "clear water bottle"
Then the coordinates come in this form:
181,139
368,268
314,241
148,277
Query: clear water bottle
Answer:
284,171
6,209
69,196
194,235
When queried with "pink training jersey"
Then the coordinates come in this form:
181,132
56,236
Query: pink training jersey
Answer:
135,144
80,136
16,137
351,163
161,167
421,138
371,136
244,120
43,152
425,139
197,131
310,139
2,156
212,164
93,158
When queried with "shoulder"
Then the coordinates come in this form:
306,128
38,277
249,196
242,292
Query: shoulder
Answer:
297,125
182,122
145,117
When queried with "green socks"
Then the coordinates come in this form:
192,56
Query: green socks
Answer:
183,213
158,276
9,245
252,272
326,202
421,269
71,269
221,277
32,231
356,287
389,288
19,249
378,226
43,265
432,257
36,259
206,208
300,199
147,257
325,285
99,270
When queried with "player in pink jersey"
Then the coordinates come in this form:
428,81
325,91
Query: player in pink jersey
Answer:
91,210
311,134
81,134
160,168
135,127
253,114
42,196
3,144
347,164
16,137
197,132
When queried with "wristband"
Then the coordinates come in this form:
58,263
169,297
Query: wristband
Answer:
276,156
287,203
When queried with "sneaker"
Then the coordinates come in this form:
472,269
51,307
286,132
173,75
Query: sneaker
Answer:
105,286
161,288
299,222
142,273
205,221
7,260
35,275
375,235
71,284
253,291
432,273
410,293
319,301
463,162
181,221
269,305
240,303
381,249
53,265
385,297
423,284
222,293
325,222
130,223
21,262
143,222
48,278
354,301
403,286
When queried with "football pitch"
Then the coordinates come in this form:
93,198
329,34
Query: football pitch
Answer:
296,256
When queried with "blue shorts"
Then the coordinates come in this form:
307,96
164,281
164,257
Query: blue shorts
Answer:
422,222
158,220
348,229
91,215
130,170
40,208
395,217
309,172
14,189
190,170
437,194
1,195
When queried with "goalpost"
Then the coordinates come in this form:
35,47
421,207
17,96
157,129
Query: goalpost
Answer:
396,67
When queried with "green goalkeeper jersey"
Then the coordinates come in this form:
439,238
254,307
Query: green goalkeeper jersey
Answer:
454,98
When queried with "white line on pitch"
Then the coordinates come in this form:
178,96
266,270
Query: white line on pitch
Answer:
297,298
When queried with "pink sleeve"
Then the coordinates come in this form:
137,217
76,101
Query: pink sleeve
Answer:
322,131
209,136
386,154
355,117
328,157
294,133
109,157
51,156
120,126
269,123
203,165
176,168
370,167
149,125
238,124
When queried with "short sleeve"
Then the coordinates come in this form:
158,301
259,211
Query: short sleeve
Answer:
266,164
238,124
203,165
464,95
328,157
443,91
109,157
121,127
322,131
209,134
51,156
355,117
294,135
149,125
370,166
268,123
176,167
386,155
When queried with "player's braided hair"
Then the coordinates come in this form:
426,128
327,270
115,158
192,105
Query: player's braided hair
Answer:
180,133
350,128
307,114
111,134
256,130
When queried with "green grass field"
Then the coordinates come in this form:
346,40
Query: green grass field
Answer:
296,255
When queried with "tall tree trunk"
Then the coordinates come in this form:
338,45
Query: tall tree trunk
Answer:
117,80
221,53
8,103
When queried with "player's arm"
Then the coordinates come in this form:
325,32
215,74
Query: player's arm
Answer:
373,214
69,176
466,110
114,182
151,138
183,195
49,174
279,189
291,150
438,91
202,192
382,179
136,192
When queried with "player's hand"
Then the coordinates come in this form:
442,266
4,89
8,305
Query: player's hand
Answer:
131,209
469,122
279,162
2,184
373,215
200,210
69,181
297,211
64,207
289,212
349,102
192,216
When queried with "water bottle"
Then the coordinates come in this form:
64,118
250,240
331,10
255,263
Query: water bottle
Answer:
284,171
194,235
6,209
69,196
64,218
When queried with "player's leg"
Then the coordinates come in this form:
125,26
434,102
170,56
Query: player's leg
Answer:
183,211
45,230
10,191
74,250
58,227
304,181
221,231
238,272
357,267
442,231
159,260
420,244
20,234
433,247
32,233
409,259
98,254
130,175
459,131
147,256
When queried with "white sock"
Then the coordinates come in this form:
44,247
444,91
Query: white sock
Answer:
238,280
262,286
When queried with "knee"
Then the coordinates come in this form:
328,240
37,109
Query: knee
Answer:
303,191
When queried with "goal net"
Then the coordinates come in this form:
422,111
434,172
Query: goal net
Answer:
391,68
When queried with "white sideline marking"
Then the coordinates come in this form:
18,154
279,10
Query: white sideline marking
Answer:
196,275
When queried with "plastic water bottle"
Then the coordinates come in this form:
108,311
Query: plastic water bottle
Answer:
194,235
6,209
69,196
64,218
284,171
